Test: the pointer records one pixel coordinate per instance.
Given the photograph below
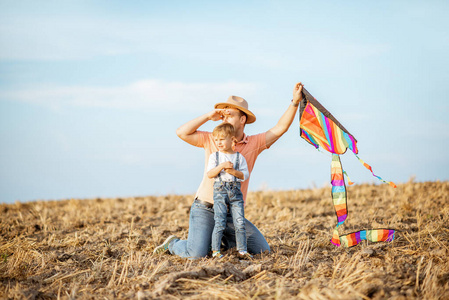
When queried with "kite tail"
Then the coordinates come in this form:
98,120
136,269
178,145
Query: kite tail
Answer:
371,235
369,168
349,179
339,198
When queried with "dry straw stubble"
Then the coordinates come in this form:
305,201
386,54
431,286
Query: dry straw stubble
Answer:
102,248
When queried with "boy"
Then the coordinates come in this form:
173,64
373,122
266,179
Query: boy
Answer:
228,168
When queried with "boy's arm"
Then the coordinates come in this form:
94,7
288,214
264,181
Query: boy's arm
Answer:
287,118
212,173
243,167
188,132
242,173
235,173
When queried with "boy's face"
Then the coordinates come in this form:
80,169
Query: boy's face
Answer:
224,143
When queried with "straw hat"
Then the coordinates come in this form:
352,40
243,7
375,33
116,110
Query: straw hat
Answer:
240,104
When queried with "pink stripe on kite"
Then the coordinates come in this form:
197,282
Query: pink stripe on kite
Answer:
342,218
338,182
309,110
390,235
330,133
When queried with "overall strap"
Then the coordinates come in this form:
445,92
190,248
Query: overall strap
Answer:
216,155
237,164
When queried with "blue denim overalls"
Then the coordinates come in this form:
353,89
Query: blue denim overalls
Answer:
228,194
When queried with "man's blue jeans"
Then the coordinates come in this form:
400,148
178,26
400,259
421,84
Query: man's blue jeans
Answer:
201,225
228,194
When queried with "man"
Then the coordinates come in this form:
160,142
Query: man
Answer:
201,224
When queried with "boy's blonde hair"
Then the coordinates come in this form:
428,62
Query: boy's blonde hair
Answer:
224,129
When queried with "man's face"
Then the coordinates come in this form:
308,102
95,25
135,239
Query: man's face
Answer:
233,117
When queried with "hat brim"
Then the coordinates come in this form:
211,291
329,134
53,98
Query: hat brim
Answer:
251,118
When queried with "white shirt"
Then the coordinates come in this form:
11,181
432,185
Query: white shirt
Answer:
223,157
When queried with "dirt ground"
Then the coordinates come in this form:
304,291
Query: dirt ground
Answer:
102,248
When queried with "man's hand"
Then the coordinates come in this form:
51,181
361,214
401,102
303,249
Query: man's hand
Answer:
297,93
216,114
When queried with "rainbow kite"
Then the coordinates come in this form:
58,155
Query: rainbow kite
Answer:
320,128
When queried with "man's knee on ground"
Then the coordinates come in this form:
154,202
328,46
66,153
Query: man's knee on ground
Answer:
195,253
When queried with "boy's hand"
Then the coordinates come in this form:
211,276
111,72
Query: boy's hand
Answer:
227,165
229,171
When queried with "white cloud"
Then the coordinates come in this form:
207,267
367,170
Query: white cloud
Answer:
67,37
76,37
143,94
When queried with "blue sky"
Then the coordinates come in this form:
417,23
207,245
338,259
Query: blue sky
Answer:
91,92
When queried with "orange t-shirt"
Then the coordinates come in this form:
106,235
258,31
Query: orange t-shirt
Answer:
250,147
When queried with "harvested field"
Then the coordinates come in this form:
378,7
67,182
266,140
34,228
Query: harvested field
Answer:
102,248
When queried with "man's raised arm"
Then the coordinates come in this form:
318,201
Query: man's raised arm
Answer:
287,118
188,131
